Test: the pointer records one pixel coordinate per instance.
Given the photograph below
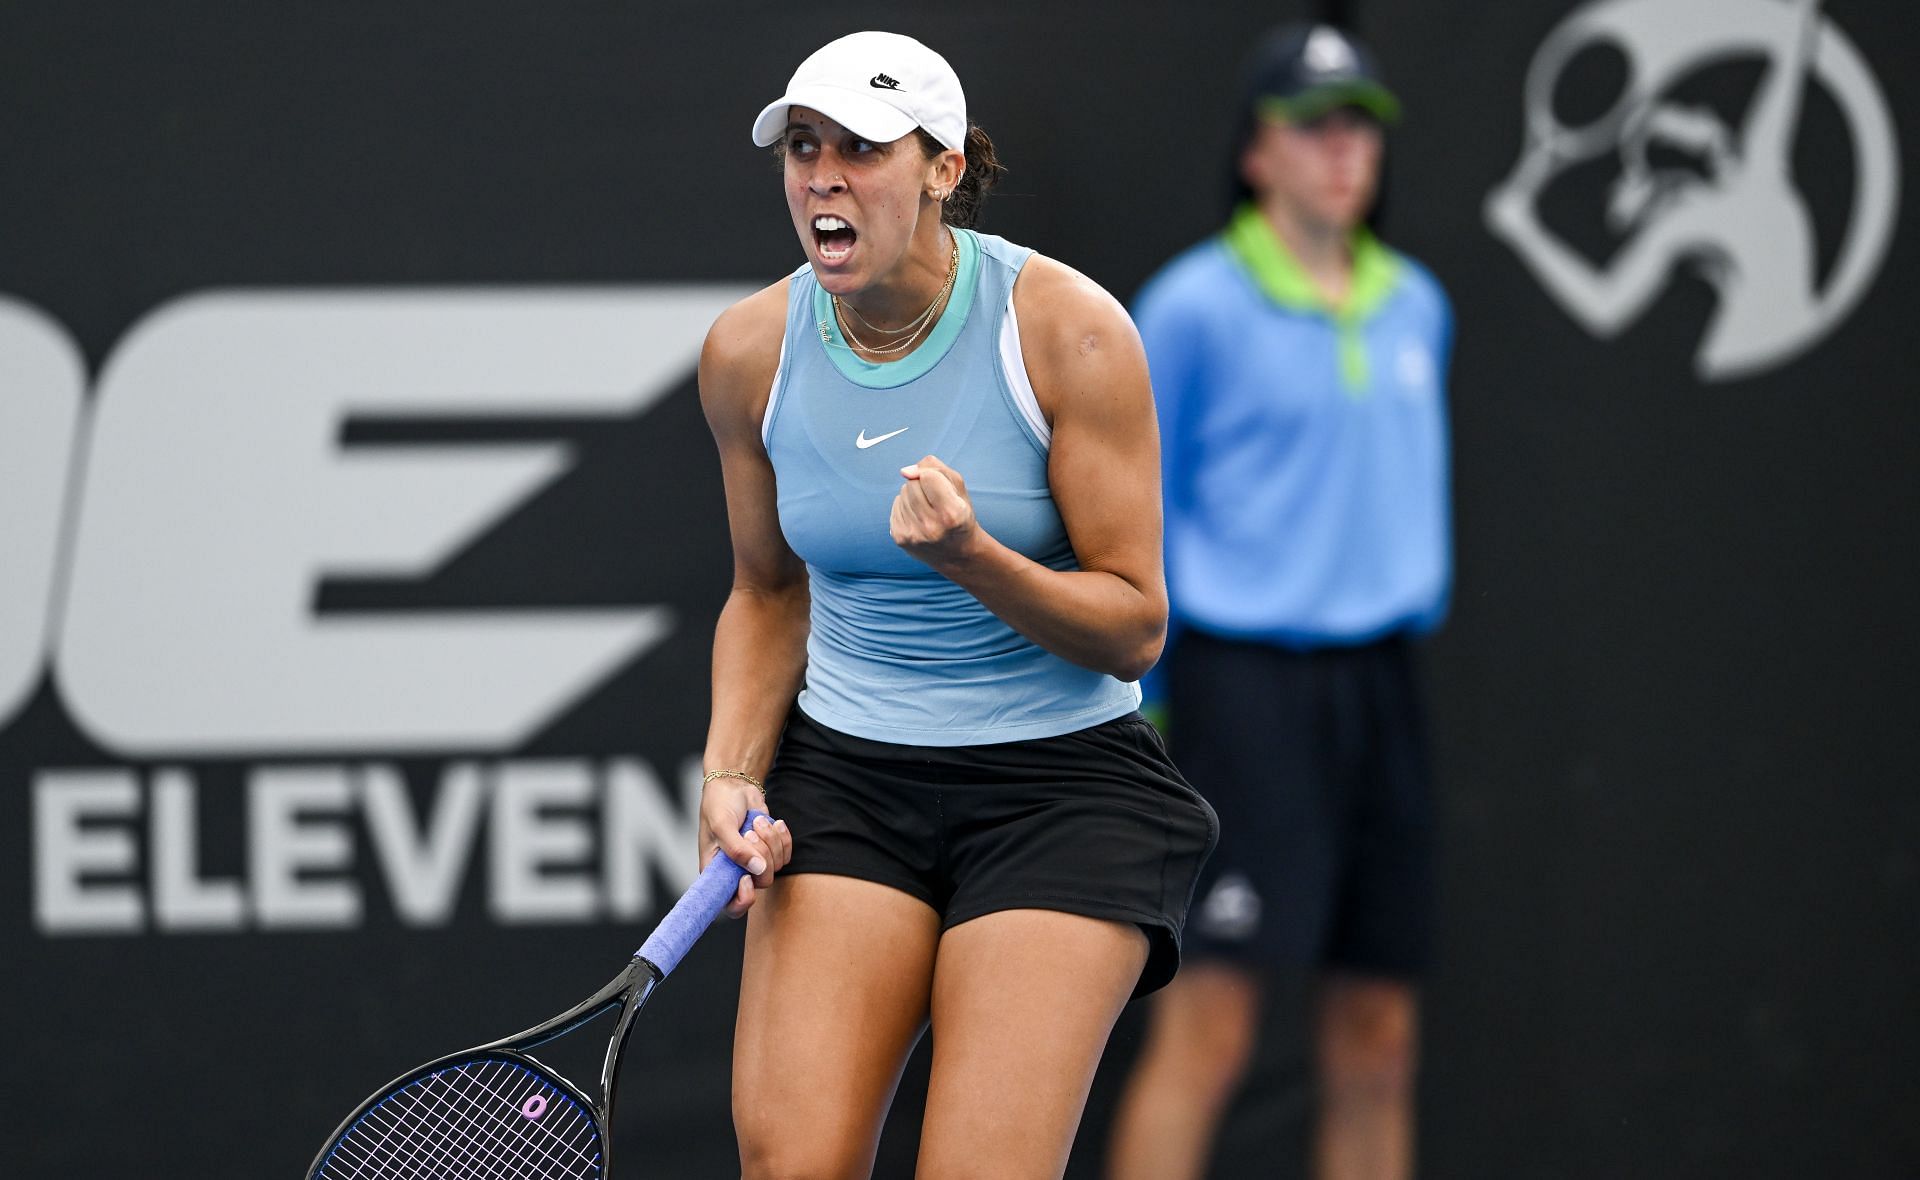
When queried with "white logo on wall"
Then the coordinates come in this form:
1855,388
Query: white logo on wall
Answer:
163,551
1739,216
216,495
42,389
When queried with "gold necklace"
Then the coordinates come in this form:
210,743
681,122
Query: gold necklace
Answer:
896,345
917,325
846,308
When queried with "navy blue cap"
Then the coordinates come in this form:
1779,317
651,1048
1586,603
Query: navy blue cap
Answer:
1303,71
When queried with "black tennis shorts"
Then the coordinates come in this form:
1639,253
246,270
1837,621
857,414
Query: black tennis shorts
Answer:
1317,763
1096,822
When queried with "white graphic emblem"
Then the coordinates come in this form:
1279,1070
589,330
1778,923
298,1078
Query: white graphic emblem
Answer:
217,495
42,391
1739,216
863,442
1328,52
1416,369
1231,911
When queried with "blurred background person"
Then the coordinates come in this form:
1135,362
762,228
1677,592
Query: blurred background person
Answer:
1298,365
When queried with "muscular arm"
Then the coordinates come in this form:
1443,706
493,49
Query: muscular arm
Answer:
1090,376
760,642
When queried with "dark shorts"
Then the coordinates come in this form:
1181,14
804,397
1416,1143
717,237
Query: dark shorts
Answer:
1317,764
1096,822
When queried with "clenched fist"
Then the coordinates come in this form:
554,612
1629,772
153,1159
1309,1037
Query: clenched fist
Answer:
932,516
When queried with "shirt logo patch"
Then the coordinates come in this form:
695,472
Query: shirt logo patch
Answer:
1415,368
1231,911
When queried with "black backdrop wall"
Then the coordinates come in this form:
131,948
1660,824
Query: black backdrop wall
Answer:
361,543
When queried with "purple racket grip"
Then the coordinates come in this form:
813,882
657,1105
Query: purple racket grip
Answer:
696,910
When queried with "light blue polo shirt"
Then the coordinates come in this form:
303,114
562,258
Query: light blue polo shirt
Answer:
1304,446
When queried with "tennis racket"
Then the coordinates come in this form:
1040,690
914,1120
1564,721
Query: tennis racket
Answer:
495,1111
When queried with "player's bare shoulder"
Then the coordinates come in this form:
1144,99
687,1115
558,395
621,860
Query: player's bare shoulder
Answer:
1073,334
741,355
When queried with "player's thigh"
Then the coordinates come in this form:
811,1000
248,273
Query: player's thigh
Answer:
1023,1002
833,995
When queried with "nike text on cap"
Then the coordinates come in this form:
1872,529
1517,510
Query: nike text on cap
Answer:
1304,71
879,86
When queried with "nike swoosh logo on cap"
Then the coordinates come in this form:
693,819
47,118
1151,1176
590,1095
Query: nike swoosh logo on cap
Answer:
863,442
882,82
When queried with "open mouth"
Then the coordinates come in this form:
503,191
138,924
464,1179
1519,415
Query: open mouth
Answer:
833,237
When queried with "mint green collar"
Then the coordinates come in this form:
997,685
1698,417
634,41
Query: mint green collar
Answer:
1251,239
893,374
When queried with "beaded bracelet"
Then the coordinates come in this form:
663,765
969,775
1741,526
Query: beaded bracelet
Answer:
714,774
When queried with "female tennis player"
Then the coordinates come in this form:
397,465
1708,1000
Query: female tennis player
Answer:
942,480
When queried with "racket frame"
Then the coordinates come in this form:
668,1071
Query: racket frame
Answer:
625,993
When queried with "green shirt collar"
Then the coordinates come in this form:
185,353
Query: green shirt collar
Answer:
1250,238
1274,269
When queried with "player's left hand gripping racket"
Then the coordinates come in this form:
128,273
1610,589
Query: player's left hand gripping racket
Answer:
493,1110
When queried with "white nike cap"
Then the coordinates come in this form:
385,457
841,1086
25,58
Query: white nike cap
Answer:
878,86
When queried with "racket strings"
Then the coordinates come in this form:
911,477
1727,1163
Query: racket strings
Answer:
487,1119
475,1120
474,1147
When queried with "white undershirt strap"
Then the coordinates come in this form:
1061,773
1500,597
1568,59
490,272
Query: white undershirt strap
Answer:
1014,364
773,395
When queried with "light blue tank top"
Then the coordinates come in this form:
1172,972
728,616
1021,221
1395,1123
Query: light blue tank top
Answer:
897,652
